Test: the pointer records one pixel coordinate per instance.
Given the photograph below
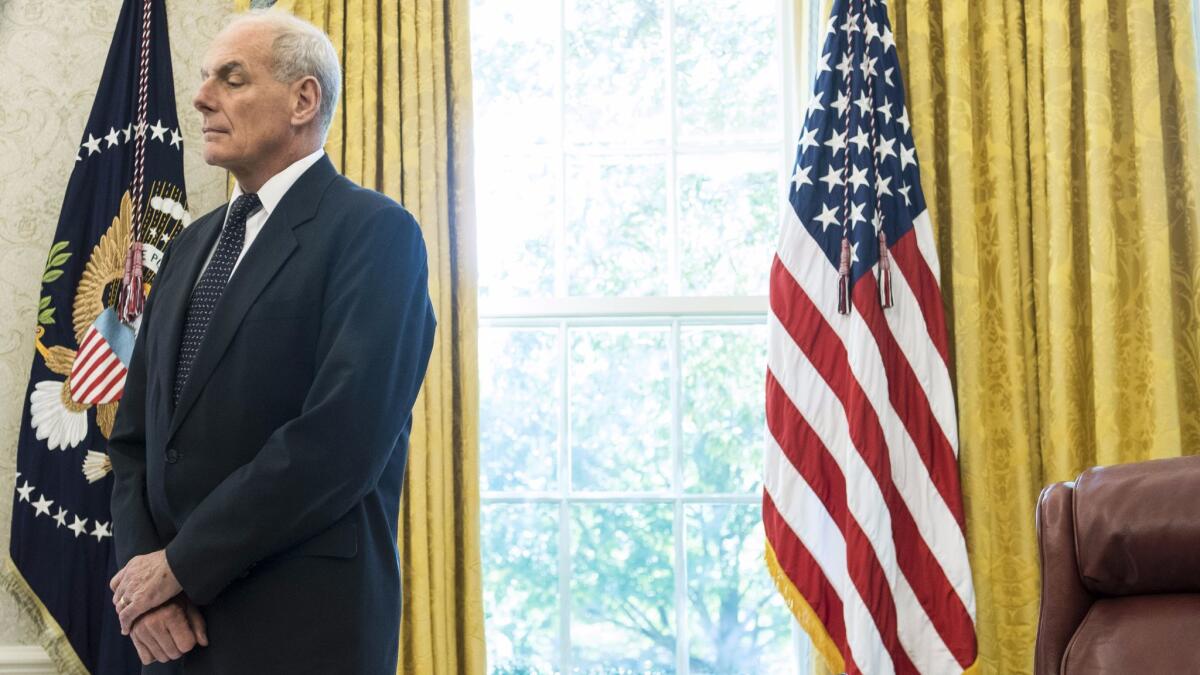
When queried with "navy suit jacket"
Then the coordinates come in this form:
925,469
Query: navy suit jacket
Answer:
274,486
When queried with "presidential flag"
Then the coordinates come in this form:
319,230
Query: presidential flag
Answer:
861,503
124,201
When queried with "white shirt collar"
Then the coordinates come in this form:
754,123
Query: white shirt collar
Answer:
277,186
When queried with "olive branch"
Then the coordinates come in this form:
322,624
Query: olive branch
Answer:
54,260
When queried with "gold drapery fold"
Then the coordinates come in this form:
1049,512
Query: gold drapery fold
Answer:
403,127
1059,160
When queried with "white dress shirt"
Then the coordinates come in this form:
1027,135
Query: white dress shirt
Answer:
269,194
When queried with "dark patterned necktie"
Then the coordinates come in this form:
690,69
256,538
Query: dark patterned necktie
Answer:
211,285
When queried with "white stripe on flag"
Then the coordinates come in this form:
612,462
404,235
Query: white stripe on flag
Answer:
806,516
93,348
820,405
822,410
923,226
103,385
94,373
907,322
933,517
117,389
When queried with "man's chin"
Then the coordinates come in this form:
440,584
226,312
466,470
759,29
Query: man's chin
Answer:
213,156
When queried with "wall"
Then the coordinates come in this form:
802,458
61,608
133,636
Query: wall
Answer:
51,55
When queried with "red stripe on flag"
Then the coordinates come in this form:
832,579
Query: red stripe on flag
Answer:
804,449
83,376
88,375
933,590
909,399
925,287
806,575
88,339
117,382
86,350
817,339
113,363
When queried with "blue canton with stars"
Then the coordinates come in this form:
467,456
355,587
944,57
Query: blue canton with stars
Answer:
858,87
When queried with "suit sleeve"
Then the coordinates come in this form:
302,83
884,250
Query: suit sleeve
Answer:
133,529
373,346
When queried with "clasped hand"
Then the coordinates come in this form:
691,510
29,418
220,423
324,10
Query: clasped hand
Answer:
157,616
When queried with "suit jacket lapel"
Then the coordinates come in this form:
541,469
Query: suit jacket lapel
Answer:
271,248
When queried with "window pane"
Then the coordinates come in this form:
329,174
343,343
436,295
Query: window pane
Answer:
513,59
520,586
616,227
728,217
518,408
615,80
723,407
517,203
737,622
623,588
620,409
727,70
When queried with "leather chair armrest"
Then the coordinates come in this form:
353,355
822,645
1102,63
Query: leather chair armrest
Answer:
1065,600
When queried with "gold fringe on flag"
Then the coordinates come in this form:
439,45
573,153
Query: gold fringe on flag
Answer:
805,614
50,635
811,624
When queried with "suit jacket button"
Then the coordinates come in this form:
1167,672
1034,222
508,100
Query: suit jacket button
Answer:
172,455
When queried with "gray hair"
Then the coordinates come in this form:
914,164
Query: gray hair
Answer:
301,50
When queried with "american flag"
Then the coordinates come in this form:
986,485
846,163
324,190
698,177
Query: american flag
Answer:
861,502
102,361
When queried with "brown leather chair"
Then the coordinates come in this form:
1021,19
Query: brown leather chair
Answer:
1120,551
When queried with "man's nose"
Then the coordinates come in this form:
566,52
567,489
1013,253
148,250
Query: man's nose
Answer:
202,101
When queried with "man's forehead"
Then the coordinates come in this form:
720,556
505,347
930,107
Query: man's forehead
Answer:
235,46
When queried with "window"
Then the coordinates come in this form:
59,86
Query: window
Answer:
631,161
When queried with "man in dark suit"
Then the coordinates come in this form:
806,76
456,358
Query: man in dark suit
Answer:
260,446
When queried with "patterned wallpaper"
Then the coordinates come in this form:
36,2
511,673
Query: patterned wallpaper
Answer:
51,55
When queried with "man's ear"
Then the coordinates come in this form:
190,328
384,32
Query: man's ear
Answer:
306,100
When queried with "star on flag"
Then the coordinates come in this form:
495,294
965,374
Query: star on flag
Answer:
116,136
79,526
100,531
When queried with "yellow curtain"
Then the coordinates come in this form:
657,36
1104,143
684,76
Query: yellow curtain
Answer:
404,128
1058,146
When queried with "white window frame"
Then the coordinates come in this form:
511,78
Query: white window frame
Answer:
674,311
